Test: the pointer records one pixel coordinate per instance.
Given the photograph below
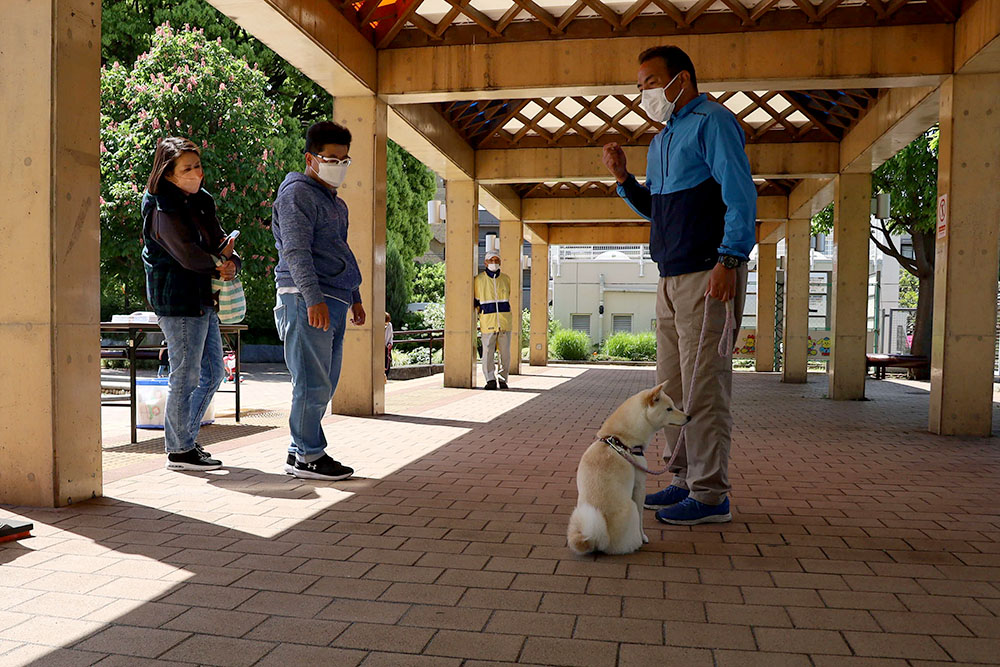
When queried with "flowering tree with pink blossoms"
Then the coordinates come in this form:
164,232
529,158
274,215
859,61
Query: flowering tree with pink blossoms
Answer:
188,86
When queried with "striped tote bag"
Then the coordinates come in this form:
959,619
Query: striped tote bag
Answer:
232,302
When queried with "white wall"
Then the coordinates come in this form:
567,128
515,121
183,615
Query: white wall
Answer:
577,291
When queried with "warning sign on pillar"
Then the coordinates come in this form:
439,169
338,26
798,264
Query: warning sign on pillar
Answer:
942,216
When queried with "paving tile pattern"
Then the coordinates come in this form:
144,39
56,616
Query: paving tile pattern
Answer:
858,539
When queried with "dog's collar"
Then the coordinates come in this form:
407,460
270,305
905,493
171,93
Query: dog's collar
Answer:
616,444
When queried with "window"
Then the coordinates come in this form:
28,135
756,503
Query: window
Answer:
582,323
622,323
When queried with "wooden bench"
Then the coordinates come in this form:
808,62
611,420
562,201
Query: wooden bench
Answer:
880,362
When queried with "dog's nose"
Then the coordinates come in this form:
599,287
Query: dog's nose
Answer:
688,418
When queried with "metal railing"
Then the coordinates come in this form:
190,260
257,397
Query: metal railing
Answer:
407,340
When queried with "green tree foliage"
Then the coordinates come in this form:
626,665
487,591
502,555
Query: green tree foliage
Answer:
396,297
189,86
907,290
129,31
822,222
428,285
128,26
910,178
409,186
406,202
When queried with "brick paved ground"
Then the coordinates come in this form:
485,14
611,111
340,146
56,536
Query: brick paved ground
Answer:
858,539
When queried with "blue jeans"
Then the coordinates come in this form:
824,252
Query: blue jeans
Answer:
196,371
313,358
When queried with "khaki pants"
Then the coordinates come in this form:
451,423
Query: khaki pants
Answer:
491,341
703,466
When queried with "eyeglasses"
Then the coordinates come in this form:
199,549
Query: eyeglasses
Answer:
332,160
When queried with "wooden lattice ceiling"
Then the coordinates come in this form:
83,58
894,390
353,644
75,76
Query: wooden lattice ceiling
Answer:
569,189
765,187
786,116
400,23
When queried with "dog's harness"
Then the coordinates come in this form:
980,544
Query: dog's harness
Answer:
629,454
725,346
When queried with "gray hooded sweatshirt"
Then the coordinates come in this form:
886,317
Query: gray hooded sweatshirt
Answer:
309,223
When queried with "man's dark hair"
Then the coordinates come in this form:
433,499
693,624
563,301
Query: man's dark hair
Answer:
674,58
324,133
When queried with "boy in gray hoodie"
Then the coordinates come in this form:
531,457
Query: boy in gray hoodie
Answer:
318,279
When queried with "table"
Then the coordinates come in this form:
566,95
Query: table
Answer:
130,350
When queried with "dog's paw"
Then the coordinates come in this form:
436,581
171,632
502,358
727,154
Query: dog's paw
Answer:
645,538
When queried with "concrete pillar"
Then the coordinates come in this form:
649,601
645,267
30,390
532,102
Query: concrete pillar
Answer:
538,352
50,406
362,387
511,242
849,336
965,278
462,227
796,344
767,266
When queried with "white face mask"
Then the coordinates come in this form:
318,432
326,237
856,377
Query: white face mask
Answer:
332,174
655,104
493,266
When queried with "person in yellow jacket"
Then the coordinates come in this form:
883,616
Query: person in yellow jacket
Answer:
492,302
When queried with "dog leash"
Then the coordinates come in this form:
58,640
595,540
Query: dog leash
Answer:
725,343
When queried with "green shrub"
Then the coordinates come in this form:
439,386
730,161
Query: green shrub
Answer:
554,326
635,347
571,345
433,316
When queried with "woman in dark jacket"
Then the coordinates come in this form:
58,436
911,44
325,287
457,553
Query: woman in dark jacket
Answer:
182,241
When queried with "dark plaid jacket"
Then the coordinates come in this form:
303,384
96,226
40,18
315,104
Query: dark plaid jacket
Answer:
180,234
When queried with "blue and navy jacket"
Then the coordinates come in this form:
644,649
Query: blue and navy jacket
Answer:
699,196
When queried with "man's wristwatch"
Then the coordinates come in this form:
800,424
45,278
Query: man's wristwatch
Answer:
730,261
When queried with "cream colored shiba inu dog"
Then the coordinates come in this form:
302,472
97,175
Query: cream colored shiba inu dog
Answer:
608,514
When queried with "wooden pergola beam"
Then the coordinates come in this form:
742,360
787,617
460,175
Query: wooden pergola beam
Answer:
977,38
892,123
809,197
598,234
540,165
312,35
614,209
872,57
427,136
501,201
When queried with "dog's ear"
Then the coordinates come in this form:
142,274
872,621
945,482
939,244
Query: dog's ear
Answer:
654,395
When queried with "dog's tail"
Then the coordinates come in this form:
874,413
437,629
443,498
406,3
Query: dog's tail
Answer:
588,531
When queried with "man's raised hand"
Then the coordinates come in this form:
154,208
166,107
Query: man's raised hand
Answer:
614,160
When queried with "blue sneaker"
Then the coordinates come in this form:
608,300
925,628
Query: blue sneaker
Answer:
665,497
691,512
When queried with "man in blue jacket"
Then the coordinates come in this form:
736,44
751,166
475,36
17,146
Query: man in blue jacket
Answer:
702,206
318,279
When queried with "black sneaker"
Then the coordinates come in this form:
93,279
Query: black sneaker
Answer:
322,468
201,450
290,465
503,384
492,384
192,459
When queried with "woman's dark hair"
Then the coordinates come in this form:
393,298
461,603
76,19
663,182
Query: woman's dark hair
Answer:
324,133
674,58
167,152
